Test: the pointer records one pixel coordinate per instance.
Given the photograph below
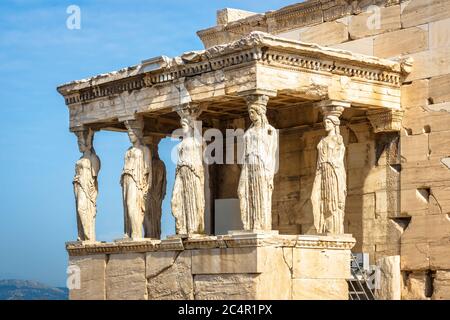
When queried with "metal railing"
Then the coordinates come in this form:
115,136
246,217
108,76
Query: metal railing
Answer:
359,284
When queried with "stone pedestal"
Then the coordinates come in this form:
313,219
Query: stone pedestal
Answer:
250,266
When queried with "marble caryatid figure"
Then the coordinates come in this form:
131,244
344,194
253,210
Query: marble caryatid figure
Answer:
258,167
152,219
330,188
135,180
85,185
188,200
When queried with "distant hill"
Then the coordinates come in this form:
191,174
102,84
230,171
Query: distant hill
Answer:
30,290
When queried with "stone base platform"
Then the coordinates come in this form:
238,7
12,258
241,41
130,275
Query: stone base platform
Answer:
249,266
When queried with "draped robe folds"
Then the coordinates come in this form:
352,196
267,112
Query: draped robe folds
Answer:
329,188
86,190
188,202
256,180
135,186
158,191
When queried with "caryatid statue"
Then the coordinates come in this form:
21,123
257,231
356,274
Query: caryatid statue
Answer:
330,187
152,219
135,180
258,167
85,185
188,199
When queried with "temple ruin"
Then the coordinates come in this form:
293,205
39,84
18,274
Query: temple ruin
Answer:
344,151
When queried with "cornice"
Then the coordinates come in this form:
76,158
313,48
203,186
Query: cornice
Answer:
257,47
295,16
343,242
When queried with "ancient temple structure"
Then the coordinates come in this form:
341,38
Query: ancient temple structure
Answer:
343,151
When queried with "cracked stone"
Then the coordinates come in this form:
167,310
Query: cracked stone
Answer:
169,275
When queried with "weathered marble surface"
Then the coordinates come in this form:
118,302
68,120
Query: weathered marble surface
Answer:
125,277
188,199
260,145
283,65
135,181
236,266
92,277
330,183
375,214
153,213
390,287
86,186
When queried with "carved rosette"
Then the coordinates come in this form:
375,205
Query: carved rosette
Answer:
385,120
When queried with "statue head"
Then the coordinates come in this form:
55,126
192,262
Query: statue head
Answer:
257,114
85,140
257,110
189,115
186,124
331,123
135,131
135,134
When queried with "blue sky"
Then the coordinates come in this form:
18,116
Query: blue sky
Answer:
38,153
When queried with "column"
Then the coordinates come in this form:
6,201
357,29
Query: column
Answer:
188,198
330,184
258,167
153,212
135,180
85,185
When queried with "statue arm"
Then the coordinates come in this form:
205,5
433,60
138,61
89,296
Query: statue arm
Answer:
244,150
316,196
95,165
274,149
148,166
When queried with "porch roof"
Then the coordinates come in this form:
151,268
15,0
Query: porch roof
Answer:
291,72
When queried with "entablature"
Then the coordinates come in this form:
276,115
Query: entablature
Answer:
220,76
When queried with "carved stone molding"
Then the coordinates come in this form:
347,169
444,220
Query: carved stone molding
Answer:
210,242
291,17
190,110
332,107
257,100
297,15
255,47
383,120
134,123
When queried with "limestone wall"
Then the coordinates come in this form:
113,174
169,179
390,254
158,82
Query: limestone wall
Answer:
419,29
248,267
373,179
393,185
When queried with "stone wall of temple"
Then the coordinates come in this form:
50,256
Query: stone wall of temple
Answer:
419,29
371,169
241,267
398,186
